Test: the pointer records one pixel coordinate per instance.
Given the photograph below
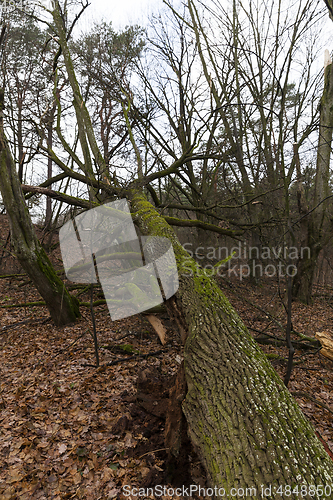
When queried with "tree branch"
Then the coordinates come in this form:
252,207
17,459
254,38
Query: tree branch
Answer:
70,200
202,225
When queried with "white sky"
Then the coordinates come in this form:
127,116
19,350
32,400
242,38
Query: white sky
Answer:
120,12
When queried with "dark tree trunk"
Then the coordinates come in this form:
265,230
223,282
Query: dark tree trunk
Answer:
62,307
313,228
306,266
243,422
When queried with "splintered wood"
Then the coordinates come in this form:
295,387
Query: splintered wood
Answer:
326,340
158,327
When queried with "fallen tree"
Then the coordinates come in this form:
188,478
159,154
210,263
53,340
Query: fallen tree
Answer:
247,429
245,426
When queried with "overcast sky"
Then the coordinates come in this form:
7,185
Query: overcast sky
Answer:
120,12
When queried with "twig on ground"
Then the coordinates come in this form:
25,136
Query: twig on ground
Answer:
71,345
129,358
4,329
24,304
302,394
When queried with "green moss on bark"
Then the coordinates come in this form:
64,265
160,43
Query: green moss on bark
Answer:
62,307
245,425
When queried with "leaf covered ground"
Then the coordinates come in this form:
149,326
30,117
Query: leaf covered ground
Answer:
69,430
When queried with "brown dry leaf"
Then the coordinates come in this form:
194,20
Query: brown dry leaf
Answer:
77,478
8,493
52,479
20,442
144,470
158,326
121,473
62,448
68,463
73,471
51,405
129,441
45,444
113,493
107,474
15,476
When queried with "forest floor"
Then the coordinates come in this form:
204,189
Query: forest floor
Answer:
69,430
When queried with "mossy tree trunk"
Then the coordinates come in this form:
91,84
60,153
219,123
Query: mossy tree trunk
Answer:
86,132
243,422
32,257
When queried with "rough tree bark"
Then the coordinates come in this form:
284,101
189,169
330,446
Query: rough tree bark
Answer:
49,127
315,235
32,257
247,429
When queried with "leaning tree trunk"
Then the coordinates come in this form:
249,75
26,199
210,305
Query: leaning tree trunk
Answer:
247,429
62,307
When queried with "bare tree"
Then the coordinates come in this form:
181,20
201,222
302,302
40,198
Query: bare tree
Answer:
316,216
62,307
226,86
247,429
